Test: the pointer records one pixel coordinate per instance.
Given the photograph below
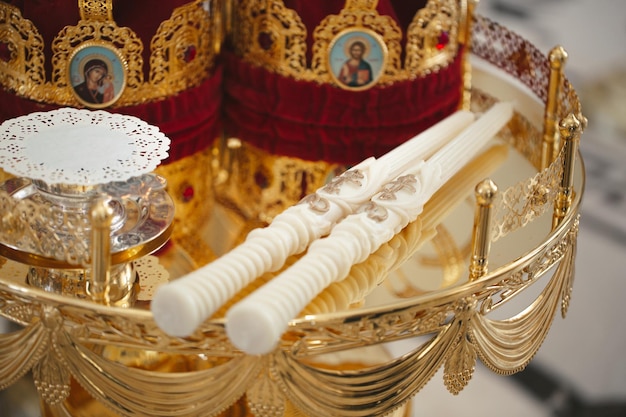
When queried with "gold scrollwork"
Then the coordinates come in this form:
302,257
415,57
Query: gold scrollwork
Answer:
95,9
23,72
432,37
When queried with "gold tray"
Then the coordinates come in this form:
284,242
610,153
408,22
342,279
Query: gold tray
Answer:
426,284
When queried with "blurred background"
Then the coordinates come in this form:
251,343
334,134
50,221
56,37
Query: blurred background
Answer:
581,368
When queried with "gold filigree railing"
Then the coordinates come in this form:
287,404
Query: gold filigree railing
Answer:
60,340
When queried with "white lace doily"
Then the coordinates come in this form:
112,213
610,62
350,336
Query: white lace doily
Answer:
80,147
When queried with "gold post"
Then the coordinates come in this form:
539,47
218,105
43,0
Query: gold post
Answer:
558,57
221,15
570,129
468,8
481,237
100,281
232,162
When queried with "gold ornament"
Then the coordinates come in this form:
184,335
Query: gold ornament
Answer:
183,53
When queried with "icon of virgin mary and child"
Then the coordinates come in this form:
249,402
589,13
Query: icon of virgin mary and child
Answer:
96,87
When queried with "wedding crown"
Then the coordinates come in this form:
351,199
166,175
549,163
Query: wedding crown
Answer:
271,35
182,55
365,91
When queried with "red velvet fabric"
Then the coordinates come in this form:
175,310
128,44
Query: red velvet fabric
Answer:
321,122
191,119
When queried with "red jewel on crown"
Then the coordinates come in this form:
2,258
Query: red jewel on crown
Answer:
187,193
265,40
190,53
443,40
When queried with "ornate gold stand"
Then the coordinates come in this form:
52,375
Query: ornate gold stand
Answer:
88,357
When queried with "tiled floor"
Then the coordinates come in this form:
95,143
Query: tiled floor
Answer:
580,370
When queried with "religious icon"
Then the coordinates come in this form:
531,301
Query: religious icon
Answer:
357,58
97,75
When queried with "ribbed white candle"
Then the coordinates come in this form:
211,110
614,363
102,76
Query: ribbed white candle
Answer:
256,323
182,305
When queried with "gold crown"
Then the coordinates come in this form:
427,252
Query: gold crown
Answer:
183,52
268,34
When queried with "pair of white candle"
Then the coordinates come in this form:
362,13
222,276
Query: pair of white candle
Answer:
256,323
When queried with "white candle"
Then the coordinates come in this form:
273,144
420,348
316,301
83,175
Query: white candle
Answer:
182,305
366,276
256,323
